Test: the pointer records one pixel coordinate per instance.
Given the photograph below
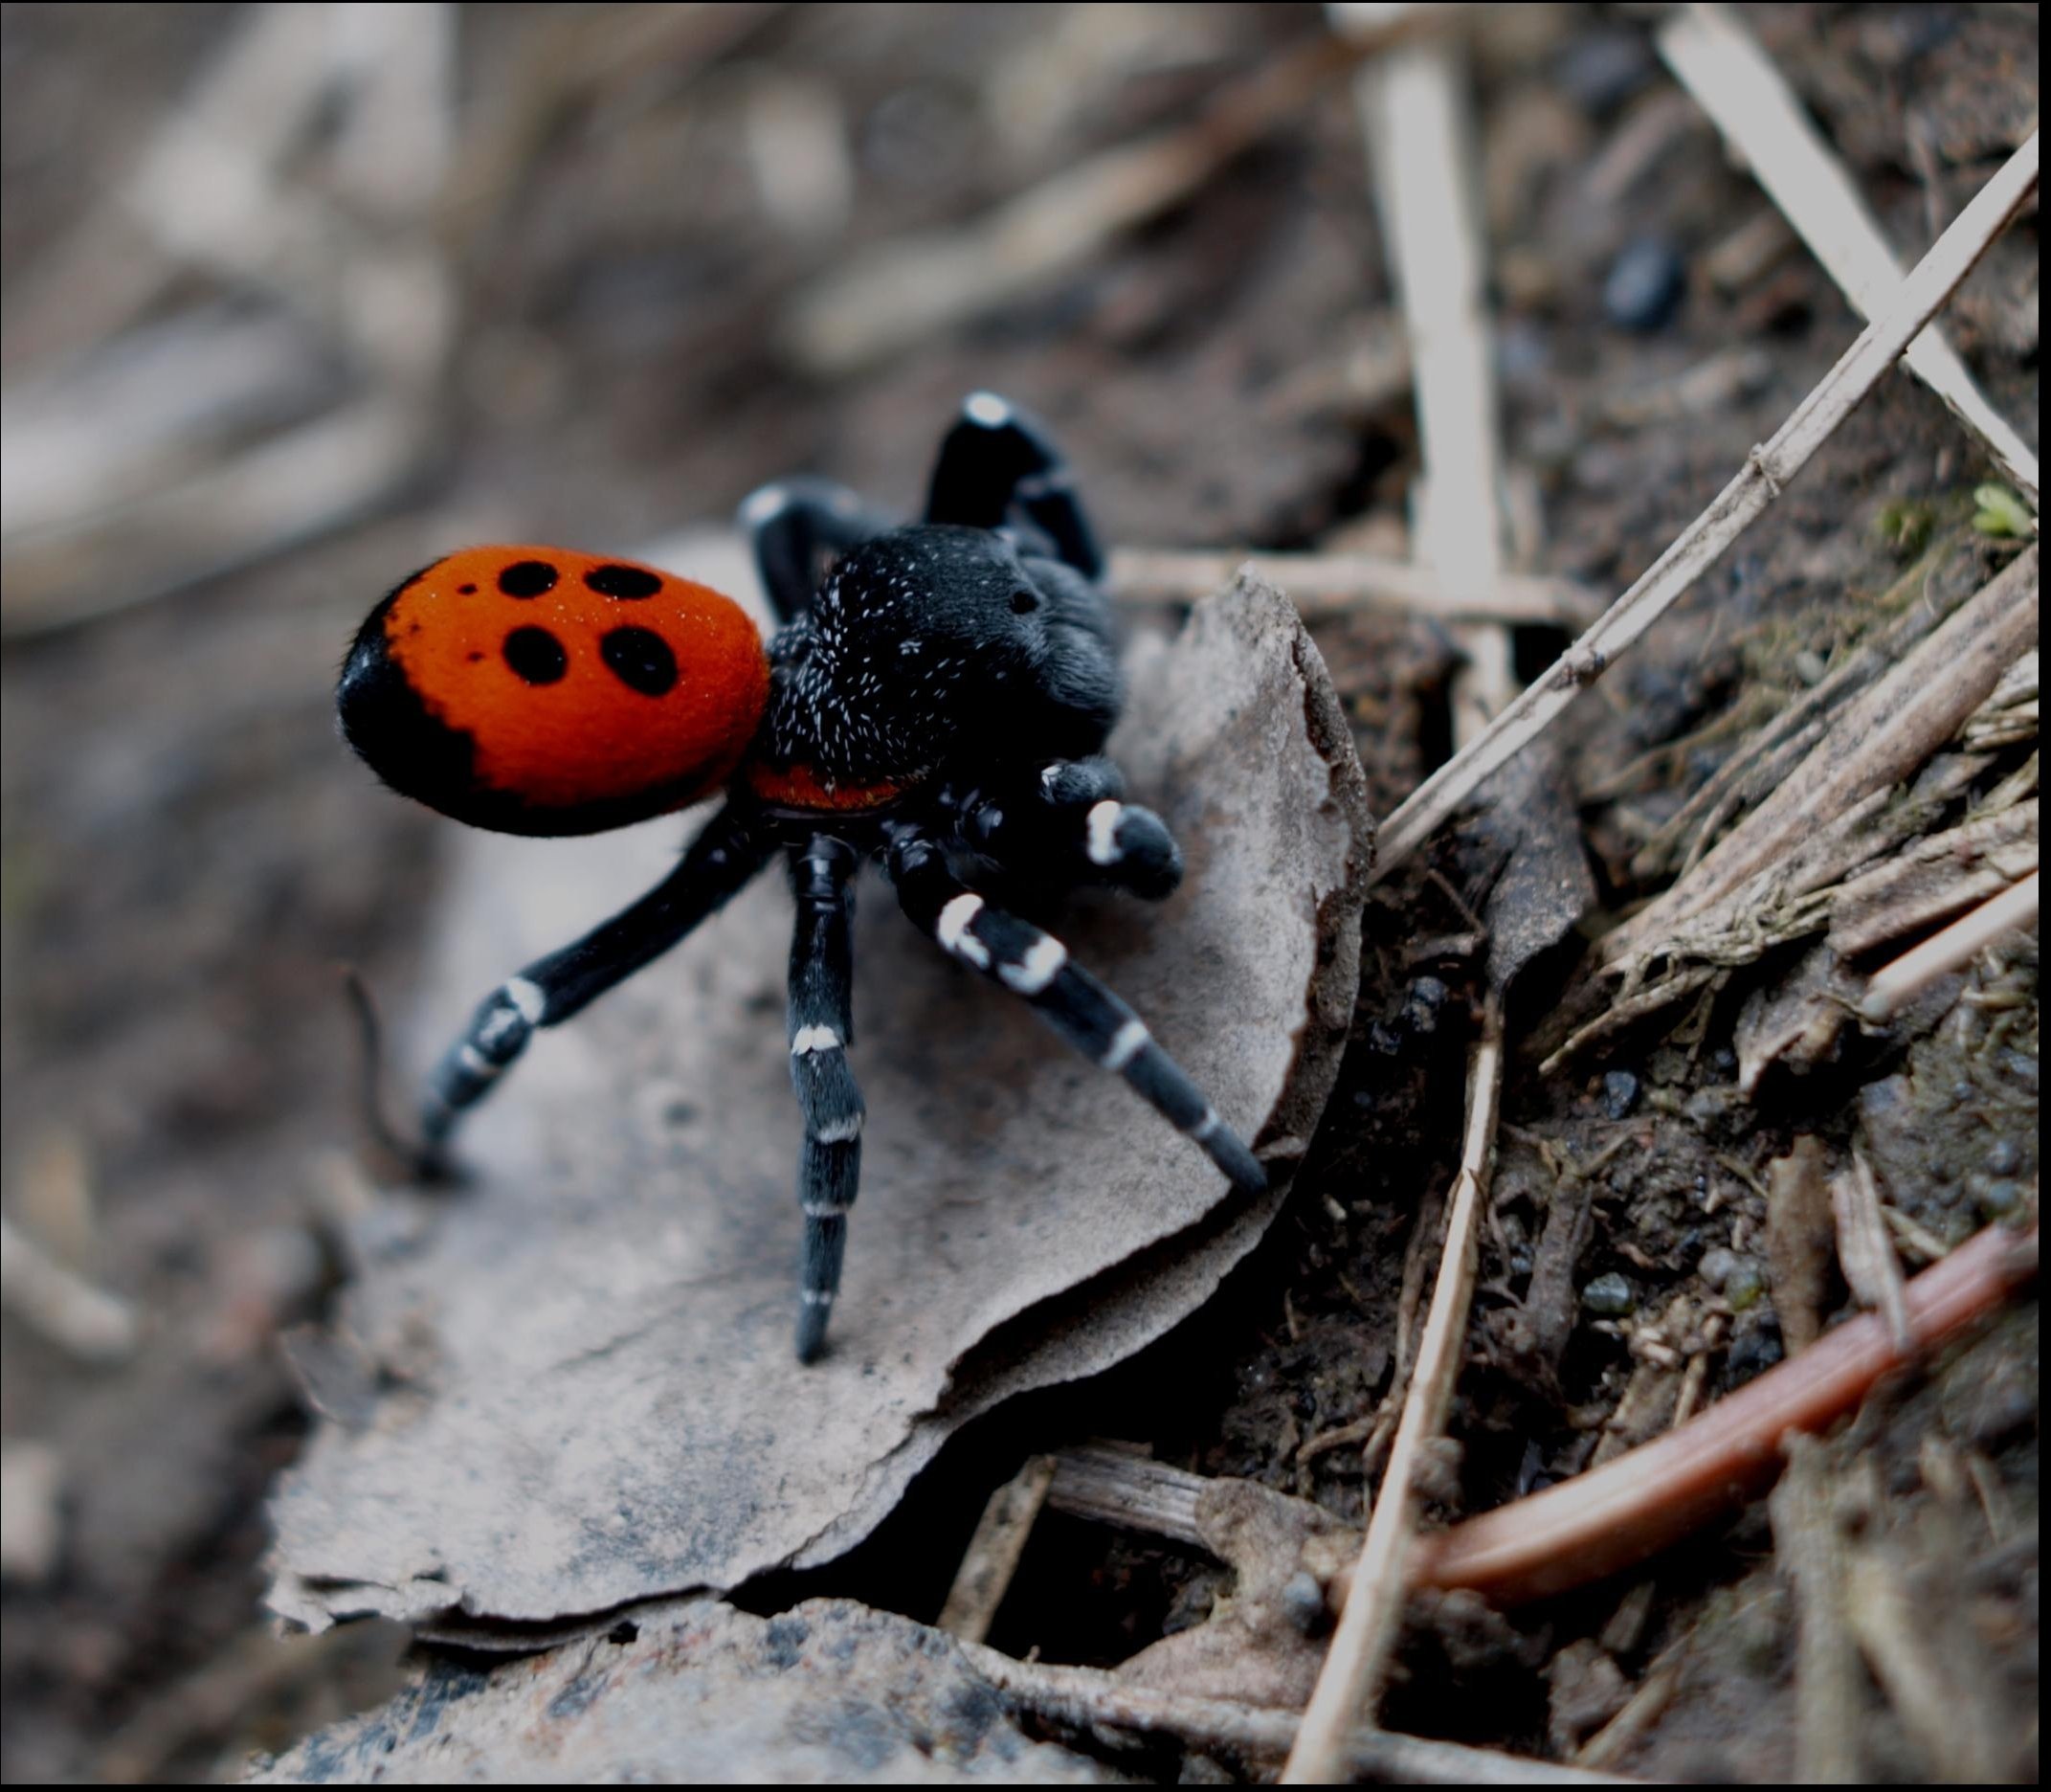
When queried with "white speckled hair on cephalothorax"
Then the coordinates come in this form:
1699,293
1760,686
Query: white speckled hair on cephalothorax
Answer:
939,698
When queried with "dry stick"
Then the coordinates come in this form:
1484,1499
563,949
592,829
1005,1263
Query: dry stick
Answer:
1936,879
1643,1709
1765,757
1809,1551
1735,82
1942,1711
1086,1697
992,1558
1957,945
1337,584
1645,1500
1426,1229
1765,473
61,1305
1865,1253
1420,141
1381,1580
1615,1516
1111,1486
1877,740
902,291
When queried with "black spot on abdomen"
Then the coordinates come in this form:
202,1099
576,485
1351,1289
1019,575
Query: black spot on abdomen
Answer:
527,579
536,655
640,660
630,584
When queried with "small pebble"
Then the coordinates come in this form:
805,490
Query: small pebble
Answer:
2004,1157
1302,1601
2002,1198
1620,1093
1743,1285
1707,1107
1420,1007
1645,287
1607,1296
1752,1353
1716,1265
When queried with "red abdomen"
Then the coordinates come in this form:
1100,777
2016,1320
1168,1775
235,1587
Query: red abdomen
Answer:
535,691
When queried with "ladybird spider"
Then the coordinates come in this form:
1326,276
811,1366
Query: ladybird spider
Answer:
939,704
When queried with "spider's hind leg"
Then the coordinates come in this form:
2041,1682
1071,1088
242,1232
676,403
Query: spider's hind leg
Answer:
726,853
821,1026
1088,1015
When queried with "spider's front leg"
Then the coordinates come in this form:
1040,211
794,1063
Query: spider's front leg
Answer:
998,458
821,1027
1066,822
719,861
1084,1013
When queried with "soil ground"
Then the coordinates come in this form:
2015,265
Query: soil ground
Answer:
188,851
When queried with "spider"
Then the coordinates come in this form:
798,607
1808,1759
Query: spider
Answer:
938,704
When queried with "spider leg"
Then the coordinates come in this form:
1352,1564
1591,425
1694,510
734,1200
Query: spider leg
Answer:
998,457
1068,998
726,853
795,522
821,1026
1066,818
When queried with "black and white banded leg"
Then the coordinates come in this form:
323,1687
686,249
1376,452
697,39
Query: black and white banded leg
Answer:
795,525
1068,819
998,456
1021,958
717,863
821,1028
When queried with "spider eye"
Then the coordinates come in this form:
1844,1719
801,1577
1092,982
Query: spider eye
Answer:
1023,601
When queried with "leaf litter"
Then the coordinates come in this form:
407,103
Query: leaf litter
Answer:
585,1393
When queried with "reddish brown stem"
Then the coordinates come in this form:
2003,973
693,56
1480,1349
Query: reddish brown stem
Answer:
1618,1514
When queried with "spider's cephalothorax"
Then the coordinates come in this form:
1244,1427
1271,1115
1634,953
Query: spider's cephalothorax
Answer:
938,703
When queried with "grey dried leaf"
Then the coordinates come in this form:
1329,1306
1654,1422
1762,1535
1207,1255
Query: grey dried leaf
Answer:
590,1397
694,1693
1526,817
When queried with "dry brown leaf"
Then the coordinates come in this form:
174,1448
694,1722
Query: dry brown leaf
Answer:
1800,1239
591,1393
697,1693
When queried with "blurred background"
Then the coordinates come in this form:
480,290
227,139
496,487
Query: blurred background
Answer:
298,298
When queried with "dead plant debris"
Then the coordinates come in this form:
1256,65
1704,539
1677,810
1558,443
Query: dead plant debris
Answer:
1686,1079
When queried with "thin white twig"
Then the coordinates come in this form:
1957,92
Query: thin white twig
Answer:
1766,470
1336,584
1959,944
1735,82
992,1558
57,1303
1346,1684
1420,142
